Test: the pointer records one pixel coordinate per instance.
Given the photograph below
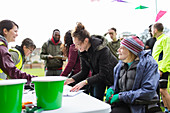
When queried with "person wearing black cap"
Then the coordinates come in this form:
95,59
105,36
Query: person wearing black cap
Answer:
52,54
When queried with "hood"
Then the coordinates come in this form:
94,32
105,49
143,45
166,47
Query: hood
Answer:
19,48
98,42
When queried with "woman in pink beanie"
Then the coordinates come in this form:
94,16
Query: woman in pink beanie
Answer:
135,77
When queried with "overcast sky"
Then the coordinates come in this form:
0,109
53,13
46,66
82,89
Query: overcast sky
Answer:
38,18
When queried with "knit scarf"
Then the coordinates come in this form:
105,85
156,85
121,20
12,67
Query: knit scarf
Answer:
54,41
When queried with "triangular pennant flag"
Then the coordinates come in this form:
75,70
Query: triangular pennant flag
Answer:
159,15
141,7
119,1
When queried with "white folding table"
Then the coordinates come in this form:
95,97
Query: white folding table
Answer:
80,103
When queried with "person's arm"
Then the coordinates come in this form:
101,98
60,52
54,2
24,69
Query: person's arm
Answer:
72,58
83,73
105,72
44,54
80,76
147,45
8,66
164,64
106,34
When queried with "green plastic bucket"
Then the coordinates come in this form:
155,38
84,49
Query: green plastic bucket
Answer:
49,91
11,92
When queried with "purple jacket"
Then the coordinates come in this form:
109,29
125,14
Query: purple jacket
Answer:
72,57
7,65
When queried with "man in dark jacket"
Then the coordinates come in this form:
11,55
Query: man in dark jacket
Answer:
95,57
52,55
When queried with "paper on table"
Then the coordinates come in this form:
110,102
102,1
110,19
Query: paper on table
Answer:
68,93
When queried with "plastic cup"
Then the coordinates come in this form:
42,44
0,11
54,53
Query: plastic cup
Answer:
49,91
11,92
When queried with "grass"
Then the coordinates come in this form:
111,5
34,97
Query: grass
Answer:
35,71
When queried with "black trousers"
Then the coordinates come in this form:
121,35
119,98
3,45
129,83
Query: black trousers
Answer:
164,76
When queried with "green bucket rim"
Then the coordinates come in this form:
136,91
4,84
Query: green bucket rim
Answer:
12,82
49,79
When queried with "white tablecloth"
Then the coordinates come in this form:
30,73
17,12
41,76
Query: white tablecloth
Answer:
80,103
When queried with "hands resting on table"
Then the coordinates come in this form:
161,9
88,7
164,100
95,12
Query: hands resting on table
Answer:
78,86
110,96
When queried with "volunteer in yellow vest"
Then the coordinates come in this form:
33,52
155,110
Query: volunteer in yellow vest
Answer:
2,76
19,52
162,55
8,33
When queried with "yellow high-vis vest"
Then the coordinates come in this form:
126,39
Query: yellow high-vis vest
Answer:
19,64
1,43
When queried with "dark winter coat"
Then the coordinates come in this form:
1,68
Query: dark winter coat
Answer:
145,83
99,60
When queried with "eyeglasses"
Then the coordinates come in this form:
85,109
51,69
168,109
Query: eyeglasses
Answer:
30,49
79,43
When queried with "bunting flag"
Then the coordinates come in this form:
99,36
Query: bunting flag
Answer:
119,1
159,15
141,7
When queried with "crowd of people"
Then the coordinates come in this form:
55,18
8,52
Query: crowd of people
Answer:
128,69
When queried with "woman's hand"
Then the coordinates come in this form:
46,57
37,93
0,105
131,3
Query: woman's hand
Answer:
109,93
78,86
114,99
68,81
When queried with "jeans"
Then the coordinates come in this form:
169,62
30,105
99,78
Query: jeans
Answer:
98,90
